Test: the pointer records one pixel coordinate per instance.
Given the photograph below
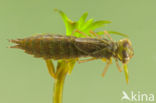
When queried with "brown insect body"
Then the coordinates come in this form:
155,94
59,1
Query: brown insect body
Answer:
66,47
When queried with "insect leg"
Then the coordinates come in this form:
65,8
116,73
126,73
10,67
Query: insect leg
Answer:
51,69
86,60
108,35
78,31
118,66
106,67
95,34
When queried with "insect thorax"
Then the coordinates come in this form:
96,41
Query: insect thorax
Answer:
107,52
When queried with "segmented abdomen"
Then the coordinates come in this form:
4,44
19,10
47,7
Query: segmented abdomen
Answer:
49,46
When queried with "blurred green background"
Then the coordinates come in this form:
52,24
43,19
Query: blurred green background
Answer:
25,79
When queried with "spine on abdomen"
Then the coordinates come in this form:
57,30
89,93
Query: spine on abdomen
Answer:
49,46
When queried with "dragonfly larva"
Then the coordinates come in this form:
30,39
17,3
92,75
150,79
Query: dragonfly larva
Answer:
50,46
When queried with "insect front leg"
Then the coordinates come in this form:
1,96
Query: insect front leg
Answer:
51,68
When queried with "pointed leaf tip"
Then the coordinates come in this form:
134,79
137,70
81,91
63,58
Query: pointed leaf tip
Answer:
82,19
69,24
97,24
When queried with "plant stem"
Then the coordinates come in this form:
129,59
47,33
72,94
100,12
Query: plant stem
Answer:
61,73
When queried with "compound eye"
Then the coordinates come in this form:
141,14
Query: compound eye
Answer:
125,56
124,53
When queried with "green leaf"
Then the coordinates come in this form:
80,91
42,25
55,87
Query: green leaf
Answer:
82,19
118,33
87,24
98,24
69,24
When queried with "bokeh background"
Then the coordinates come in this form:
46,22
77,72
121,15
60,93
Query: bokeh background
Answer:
24,79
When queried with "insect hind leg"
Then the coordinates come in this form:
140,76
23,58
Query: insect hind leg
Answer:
108,62
86,60
95,34
118,66
78,31
108,35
